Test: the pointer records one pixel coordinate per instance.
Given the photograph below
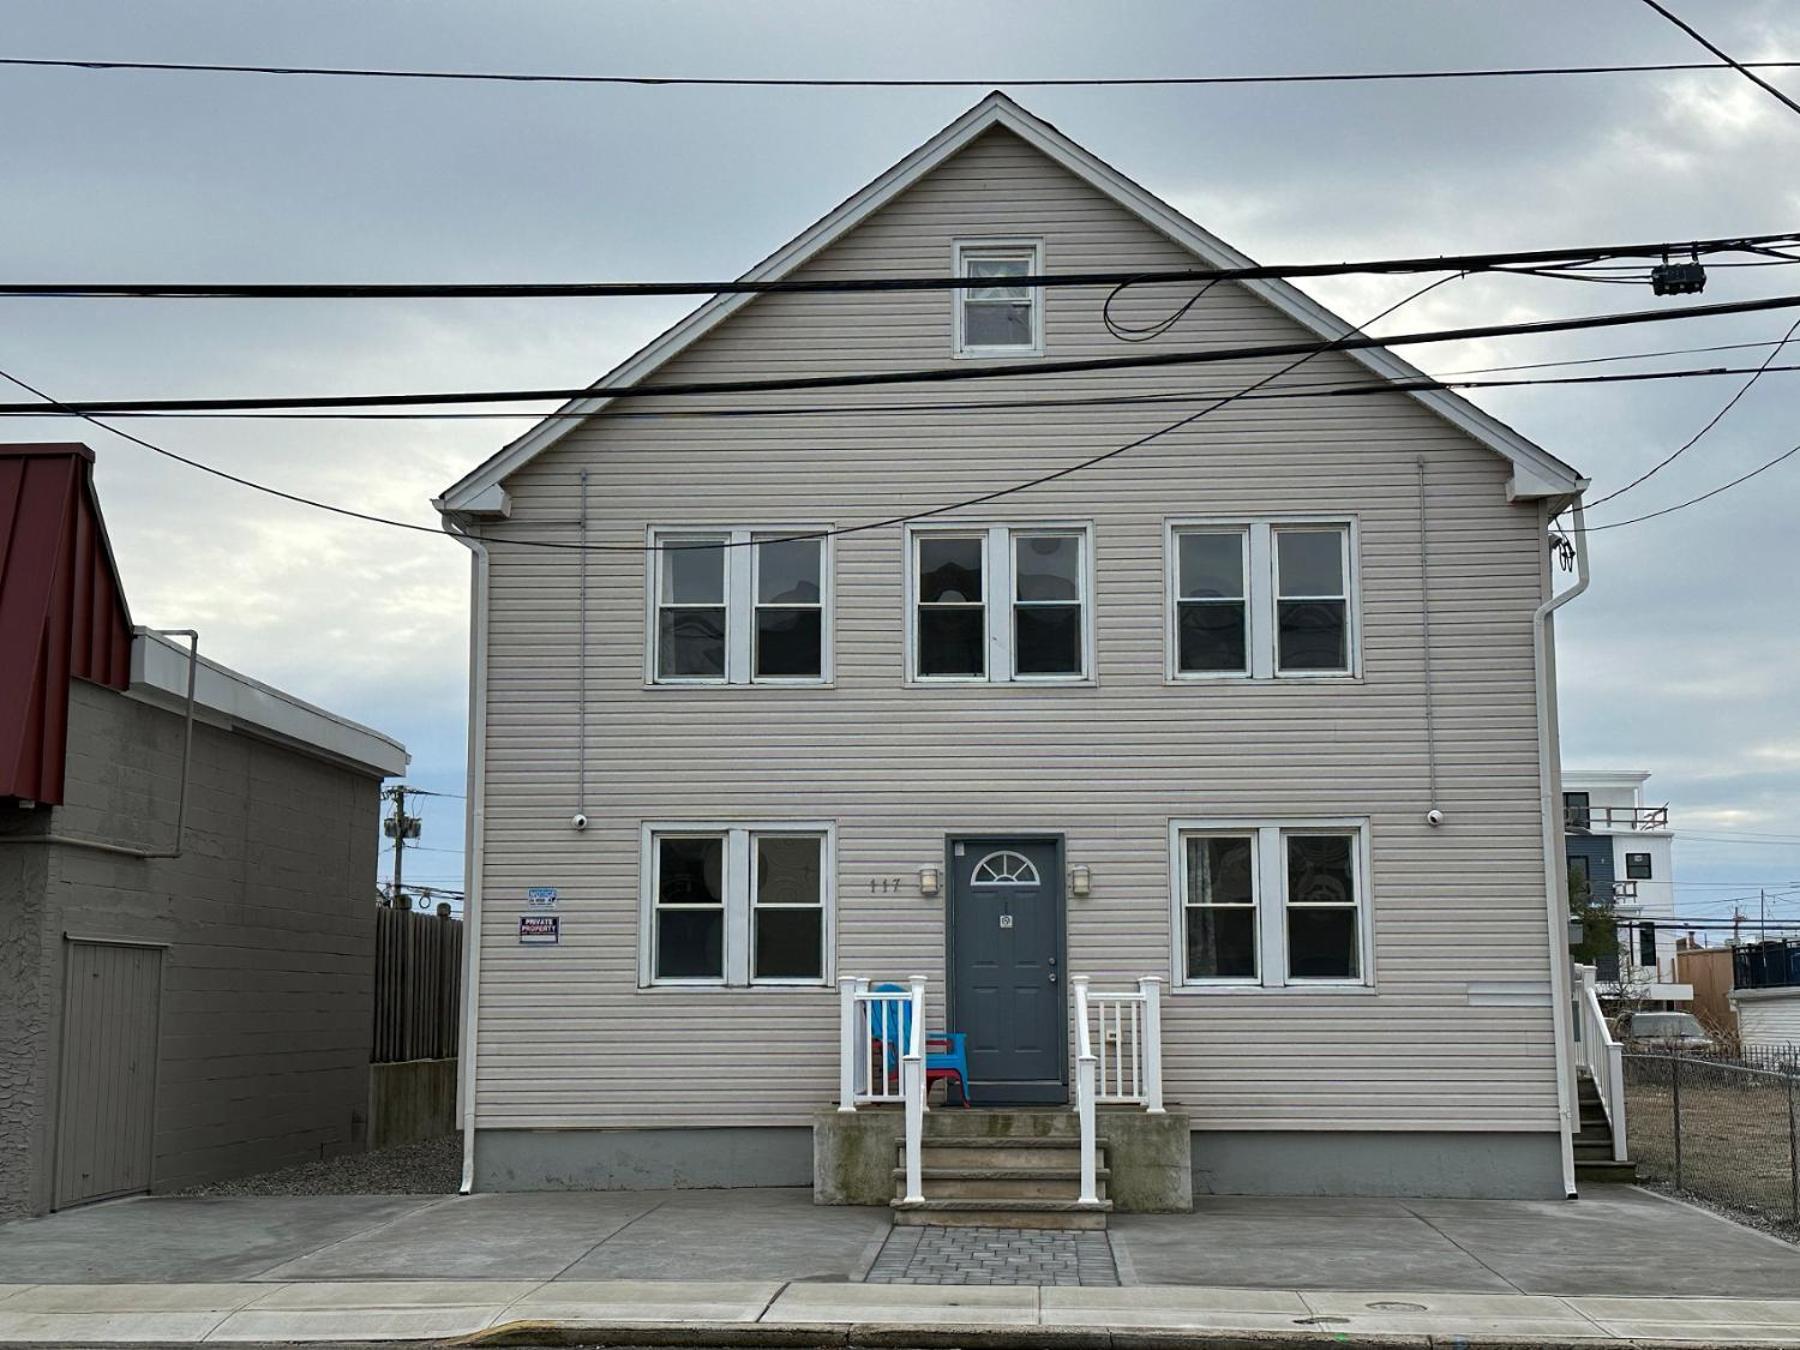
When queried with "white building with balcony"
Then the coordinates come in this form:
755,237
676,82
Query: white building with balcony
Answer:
1620,844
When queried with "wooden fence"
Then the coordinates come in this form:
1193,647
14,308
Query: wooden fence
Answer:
418,985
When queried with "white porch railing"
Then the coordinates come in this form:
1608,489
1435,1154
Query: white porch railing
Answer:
1602,1057
1125,1068
882,1058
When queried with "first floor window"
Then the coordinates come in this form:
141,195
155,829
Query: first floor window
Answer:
741,607
1219,906
1001,603
737,905
690,907
1322,907
788,907
1272,903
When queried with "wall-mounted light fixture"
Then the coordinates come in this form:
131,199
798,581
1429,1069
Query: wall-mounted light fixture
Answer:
930,878
1080,883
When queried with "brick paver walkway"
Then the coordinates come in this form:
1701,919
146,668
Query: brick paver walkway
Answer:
994,1256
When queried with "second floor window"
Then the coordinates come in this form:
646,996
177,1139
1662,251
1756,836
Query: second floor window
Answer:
740,606
1265,599
1000,603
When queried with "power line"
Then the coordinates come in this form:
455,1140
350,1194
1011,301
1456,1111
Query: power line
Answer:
802,82
1712,422
1741,67
1322,389
1463,262
820,534
1351,340
1696,500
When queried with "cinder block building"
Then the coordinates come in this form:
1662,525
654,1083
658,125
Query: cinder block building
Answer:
187,876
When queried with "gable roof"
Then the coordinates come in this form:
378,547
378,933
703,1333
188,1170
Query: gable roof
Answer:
1536,472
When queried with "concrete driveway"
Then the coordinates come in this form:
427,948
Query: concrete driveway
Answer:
1620,1241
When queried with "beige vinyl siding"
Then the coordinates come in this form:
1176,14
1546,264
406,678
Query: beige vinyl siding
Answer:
566,1037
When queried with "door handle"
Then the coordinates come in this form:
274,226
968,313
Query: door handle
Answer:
1053,977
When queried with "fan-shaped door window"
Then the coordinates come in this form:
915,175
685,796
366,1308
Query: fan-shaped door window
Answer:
1004,868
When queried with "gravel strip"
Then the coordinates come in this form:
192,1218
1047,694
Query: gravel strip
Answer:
1777,1226
431,1167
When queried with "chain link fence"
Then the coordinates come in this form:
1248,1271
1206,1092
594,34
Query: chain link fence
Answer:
1728,1132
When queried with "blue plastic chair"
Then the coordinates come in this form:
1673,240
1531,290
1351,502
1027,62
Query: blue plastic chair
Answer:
950,1060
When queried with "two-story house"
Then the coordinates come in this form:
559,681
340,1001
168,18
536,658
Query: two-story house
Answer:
1260,710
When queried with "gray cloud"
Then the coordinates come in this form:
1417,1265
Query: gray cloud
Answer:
1679,660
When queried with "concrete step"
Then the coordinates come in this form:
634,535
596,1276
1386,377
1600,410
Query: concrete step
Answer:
1005,1153
1031,1122
1000,1183
1001,1213
1605,1171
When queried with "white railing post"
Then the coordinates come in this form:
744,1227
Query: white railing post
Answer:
1084,1093
1615,1054
912,1085
847,1044
1151,988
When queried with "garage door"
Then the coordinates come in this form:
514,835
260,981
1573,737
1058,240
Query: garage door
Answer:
107,1103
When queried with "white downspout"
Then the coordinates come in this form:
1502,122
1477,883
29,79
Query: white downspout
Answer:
1556,906
474,837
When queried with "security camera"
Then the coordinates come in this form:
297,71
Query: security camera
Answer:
1434,817
579,820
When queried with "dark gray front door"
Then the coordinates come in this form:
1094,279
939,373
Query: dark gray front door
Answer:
1007,989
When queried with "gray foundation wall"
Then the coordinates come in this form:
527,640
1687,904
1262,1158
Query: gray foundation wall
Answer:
268,917
1445,1163
643,1160
1273,1162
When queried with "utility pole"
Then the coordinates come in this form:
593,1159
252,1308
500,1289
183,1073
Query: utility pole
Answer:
400,827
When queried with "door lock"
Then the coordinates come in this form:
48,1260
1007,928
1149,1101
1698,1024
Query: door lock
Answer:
1053,977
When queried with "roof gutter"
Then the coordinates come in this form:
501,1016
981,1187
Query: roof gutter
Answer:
474,836
1556,888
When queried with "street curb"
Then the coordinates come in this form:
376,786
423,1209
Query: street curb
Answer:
986,1336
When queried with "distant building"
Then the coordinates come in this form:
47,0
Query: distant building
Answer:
1622,848
186,861
1766,994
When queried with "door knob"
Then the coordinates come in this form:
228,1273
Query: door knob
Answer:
1053,977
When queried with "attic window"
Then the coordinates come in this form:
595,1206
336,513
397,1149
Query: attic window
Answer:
998,316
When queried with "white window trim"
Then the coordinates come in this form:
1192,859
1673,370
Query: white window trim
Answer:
738,882
1270,873
1260,598
998,588
961,249
740,605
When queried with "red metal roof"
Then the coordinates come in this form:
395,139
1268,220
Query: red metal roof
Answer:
62,609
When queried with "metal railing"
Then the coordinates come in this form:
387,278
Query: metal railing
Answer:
1125,1069
1727,1132
1602,1057
882,1059
1766,965
1616,817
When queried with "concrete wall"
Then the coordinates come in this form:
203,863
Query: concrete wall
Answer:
1492,1166
269,920
411,1100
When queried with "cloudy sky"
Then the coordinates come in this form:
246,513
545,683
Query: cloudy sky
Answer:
1682,659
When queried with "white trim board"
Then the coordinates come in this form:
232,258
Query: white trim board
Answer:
1536,472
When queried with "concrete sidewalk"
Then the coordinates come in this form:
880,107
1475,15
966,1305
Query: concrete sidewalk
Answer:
717,1267
627,1312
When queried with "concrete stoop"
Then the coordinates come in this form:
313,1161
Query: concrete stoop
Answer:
1004,1181
1013,1167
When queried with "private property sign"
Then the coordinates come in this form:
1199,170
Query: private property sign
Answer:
539,930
